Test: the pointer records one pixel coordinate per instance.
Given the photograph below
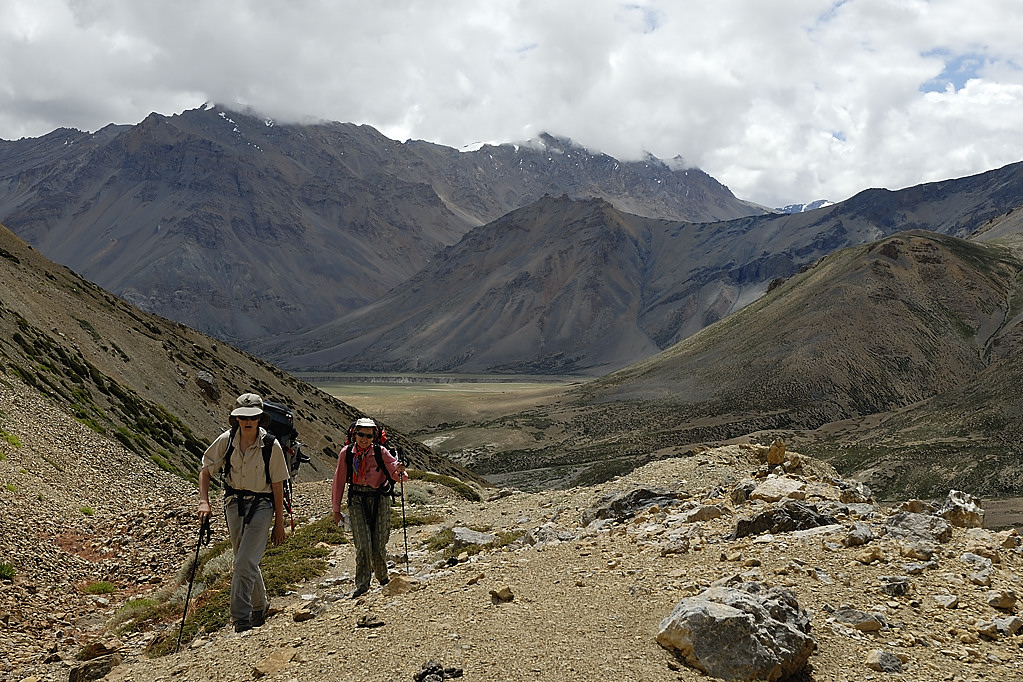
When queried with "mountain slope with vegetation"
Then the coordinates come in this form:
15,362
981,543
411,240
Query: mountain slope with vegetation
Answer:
161,389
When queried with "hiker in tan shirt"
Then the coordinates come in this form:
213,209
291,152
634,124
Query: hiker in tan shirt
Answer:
253,500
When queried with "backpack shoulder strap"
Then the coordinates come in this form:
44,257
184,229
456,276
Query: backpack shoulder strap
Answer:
230,448
348,461
268,450
380,463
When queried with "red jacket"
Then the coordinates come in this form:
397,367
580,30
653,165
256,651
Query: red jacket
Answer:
364,471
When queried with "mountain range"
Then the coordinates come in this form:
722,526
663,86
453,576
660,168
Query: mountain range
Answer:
568,286
242,228
879,333
331,247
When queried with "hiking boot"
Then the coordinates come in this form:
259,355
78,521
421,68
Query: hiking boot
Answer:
359,591
259,617
242,626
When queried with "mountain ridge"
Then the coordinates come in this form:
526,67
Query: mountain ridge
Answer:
240,227
665,281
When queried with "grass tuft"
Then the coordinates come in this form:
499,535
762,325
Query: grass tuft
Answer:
100,587
10,438
463,490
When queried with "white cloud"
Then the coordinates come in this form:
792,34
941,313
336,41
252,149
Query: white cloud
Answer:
784,102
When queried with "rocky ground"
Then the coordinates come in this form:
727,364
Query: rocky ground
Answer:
571,601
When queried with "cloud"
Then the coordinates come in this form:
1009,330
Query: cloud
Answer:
784,102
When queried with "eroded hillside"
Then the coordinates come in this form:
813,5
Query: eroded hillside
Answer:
893,360
158,387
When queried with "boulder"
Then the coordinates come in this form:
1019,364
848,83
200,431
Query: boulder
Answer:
208,384
96,669
776,488
466,536
789,517
913,526
860,620
747,632
1001,599
625,505
962,510
860,534
275,662
884,661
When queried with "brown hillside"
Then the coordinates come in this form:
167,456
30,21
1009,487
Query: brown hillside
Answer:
868,331
138,378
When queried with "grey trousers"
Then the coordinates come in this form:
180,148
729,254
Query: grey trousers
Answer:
371,529
248,540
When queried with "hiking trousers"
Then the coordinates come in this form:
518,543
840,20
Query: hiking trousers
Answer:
248,540
370,513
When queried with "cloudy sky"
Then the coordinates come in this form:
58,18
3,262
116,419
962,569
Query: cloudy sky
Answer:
784,101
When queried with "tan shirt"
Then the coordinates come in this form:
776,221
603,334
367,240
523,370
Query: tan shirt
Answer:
247,469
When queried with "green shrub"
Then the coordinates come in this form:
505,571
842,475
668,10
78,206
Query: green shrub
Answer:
13,488
10,438
88,511
417,495
7,572
100,587
463,490
412,518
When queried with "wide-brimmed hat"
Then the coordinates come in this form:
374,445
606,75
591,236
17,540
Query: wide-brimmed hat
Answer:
249,405
366,421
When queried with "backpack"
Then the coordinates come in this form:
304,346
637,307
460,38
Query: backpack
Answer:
379,440
282,425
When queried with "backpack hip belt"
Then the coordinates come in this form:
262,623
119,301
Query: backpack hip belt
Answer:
365,490
245,498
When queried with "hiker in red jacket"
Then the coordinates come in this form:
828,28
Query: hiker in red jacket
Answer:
370,470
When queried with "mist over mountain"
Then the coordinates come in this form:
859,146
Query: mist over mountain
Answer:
242,228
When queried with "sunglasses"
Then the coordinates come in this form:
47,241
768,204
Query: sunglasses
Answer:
363,434
248,419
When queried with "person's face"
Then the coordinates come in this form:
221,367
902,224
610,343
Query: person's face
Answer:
248,424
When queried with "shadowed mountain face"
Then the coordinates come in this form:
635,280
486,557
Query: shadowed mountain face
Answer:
241,228
896,360
161,389
567,286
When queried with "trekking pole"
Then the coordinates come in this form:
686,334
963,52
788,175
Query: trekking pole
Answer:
205,533
404,528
